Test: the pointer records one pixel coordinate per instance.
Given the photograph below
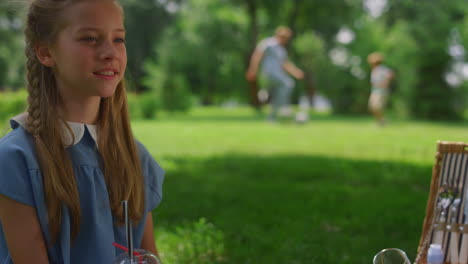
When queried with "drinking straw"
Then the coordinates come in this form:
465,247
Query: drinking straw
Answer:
124,248
128,228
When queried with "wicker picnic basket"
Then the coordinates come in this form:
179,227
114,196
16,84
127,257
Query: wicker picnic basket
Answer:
447,225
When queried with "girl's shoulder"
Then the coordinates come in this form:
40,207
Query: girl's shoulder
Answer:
18,147
153,175
141,148
18,166
143,152
17,134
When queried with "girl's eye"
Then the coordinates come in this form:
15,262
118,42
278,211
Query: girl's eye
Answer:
90,39
120,40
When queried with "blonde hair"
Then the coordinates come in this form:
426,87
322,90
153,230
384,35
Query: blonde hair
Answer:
283,31
375,58
117,148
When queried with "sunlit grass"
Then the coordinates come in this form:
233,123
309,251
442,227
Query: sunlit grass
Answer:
334,190
212,131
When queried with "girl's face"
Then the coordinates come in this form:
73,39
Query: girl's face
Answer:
89,55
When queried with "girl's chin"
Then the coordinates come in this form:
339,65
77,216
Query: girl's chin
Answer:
105,93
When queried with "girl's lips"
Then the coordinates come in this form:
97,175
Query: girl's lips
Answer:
106,73
106,76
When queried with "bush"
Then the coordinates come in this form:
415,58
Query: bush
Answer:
148,105
176,95
197,243
12,103
171,90
134,106
139,106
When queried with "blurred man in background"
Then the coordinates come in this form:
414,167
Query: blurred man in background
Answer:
271,55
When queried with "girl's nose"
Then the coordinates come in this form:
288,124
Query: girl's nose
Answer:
107,51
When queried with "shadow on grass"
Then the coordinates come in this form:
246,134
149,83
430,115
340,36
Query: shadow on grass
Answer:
298,209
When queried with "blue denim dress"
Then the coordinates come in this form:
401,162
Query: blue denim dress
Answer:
21,180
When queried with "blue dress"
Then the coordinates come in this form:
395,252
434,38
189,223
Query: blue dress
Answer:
21,180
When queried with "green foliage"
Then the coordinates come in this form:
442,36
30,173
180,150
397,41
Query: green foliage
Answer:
462,100
204,45
311,51
134,108
196,243
155,77
171,89
463,28
143,106
145,22
149,105
435,95
12,103
205,50
402,53
325,17
140,106
11,50
431,23
328,79
176,95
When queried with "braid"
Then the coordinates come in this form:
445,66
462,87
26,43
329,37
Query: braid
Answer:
44,124
34,71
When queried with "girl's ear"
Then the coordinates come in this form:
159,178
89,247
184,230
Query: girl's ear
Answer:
44,55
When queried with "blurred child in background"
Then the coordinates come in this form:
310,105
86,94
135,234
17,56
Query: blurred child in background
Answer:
381,77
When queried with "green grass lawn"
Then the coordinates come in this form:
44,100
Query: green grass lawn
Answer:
335,190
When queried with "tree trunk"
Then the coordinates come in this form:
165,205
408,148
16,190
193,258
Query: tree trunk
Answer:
253,35
293,15
309,86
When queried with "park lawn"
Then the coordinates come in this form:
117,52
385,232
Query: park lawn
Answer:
335,190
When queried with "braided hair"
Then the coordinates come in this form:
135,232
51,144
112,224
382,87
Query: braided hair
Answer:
117,147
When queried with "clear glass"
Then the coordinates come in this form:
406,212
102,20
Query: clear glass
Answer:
144,257
391,256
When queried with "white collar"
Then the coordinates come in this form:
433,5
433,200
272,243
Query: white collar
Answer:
78,129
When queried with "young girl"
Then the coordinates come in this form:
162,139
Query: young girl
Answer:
381,77
71,159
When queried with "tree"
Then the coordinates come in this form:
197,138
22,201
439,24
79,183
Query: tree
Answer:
145,23
431,23
207,50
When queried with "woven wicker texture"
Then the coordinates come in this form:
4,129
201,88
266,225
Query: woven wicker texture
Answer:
449,178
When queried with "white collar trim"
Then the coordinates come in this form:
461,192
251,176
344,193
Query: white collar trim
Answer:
78,129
